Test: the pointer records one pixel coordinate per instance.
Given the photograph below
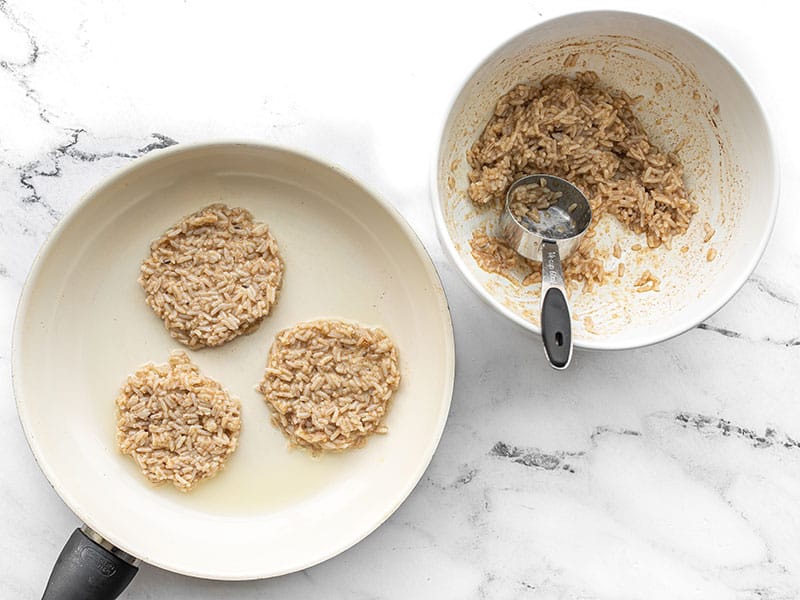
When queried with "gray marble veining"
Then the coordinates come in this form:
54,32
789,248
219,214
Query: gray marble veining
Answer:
667,472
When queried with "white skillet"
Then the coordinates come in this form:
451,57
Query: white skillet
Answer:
82,326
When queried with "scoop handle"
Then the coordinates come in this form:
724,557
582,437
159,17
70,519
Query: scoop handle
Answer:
555,316
87,570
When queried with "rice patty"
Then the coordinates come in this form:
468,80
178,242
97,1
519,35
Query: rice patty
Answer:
177,424
212,276
329,383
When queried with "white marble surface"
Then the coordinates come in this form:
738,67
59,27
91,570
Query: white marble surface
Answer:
668,472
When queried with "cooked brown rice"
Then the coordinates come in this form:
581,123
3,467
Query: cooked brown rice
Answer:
177,424
527,200
588,135
647,282
571,61
213,276
494,256
329,383
709,232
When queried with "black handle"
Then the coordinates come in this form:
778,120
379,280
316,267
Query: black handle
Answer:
85,570
556,328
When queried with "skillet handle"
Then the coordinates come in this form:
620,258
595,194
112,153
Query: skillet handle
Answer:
89,568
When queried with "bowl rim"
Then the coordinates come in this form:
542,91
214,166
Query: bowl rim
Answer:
745,269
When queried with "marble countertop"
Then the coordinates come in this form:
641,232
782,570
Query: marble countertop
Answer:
667,472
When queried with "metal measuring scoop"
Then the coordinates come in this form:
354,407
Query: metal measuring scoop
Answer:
550,235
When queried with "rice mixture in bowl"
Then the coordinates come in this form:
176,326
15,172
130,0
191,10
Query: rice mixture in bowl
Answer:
177,424
213,276
329,383
577,130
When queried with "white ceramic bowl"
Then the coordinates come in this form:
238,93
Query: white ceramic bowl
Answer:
729,159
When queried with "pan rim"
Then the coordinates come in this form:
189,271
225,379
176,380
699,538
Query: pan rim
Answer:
29,429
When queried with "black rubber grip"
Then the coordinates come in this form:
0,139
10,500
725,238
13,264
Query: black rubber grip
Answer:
87,571
556,328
